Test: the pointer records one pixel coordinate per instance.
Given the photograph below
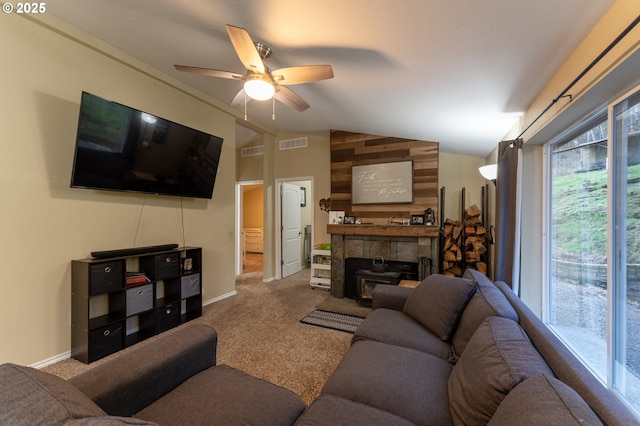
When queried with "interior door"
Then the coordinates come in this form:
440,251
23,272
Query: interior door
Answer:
291,231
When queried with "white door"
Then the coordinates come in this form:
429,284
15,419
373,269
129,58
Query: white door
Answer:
291,232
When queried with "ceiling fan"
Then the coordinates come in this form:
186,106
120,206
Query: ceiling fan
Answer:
260,82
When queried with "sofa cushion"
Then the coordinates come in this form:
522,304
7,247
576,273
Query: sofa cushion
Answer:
109,421
498,356
333,410
396,328
438,301
390,296
124,387
543,400
225,396
32,397
487,301
402,381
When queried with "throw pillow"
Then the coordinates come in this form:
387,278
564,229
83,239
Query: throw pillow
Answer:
437,303
543,400
498,357
32,397
487,301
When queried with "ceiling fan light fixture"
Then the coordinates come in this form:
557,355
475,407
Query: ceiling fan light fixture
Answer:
259,87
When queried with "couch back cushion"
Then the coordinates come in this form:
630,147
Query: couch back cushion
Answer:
32,397
498,357
543,400
109,421
487,301
437,303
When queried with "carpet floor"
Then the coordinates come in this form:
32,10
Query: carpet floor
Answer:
259,332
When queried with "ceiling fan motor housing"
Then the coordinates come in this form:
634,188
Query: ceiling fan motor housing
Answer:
263,50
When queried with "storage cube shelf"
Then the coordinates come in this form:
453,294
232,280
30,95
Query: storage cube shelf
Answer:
321,269
117,302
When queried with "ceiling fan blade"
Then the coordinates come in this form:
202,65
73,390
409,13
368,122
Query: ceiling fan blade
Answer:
210,72
287,97
246,49
302,74
238,100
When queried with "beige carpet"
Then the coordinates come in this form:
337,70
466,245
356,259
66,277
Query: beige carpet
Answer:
259,332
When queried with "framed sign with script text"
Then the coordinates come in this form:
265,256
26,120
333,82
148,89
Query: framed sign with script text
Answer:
382,183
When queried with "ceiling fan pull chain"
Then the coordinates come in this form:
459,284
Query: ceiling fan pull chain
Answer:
245,106
273,109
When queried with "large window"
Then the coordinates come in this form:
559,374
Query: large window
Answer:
594,244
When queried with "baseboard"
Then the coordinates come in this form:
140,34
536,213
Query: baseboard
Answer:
41,364
219,298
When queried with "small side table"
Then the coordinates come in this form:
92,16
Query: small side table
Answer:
408,283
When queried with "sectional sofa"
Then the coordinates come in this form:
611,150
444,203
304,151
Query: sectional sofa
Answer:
169,380
462,351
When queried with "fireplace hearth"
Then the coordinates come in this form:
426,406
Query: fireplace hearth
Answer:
353,265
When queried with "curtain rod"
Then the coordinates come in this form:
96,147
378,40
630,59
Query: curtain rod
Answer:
563,94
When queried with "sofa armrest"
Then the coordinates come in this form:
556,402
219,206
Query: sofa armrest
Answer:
136,377
390,296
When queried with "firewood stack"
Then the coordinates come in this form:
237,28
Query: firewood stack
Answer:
452,251
475,239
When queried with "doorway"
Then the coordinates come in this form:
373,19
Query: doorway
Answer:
251,226
294,219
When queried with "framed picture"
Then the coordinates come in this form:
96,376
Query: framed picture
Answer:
336,217
349,220
417,219
383,183
303,196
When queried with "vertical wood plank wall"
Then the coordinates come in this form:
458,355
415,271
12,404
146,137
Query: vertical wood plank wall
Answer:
356,149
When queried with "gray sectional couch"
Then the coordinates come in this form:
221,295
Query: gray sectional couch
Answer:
462,351
170,380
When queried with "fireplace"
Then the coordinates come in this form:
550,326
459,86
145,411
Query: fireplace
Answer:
352,265
406,244
366,280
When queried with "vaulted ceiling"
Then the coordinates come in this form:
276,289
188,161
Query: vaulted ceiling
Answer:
457,72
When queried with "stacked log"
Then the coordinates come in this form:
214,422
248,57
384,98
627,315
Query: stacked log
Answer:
475,237
452,248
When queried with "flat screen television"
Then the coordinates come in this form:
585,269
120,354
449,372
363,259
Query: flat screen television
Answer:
119,148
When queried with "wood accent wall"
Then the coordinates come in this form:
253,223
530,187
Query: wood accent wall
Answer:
356,149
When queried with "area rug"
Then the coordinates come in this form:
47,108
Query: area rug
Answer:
343,306
333,320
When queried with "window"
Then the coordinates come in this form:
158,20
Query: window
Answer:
594,244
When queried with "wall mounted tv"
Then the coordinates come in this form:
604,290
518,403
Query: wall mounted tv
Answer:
119,148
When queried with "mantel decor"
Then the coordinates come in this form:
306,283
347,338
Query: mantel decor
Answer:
383,183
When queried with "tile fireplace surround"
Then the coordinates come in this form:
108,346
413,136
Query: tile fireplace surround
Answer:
392,242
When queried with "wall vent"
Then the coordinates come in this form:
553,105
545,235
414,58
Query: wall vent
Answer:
293,143
252,151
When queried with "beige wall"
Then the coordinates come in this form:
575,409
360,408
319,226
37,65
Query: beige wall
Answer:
310,162
44,224
613,75
253,207
250,168
456,172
